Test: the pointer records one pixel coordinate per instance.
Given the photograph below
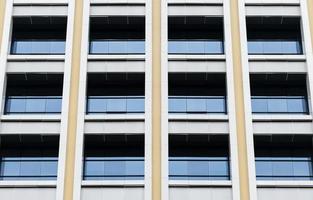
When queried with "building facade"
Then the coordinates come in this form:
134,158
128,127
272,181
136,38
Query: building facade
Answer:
156,99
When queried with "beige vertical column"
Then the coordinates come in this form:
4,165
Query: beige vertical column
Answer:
156,100
73,102
310,13
2,14
239,101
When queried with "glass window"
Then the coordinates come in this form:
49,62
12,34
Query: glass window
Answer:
274,35
116,93
198,157
197,93
38,35
279,93
195,35
117,35
33,93
114,157
283,157
28,157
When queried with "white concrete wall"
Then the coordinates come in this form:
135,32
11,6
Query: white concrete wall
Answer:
27,193
285,193
111,193
185,193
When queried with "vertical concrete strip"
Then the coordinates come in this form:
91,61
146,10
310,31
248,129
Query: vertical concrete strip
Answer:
2,14
310,13
239,101
73,102
156,100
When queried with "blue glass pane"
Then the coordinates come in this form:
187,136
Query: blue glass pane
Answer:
259,105
277,105
264,168
21,47
216,105
57,47
30,168
196,105
94,168
282,168
135,105
303,168
198,168
196,47
219,168
291,47
115,168
272,47
53,105
297,105
214,47
35,105
255,47
178,168
43,47
49,168
10,168
16,105
136,47
116,105
117,47
134,168
177,47
97,47
96,105
177,105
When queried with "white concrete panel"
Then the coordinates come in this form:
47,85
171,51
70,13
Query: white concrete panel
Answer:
201,193
30,127
185,127
277,66
116,66
42,10
200,10
35,66
117,10
116,193
271,127
273,11
27,193
115,127
285,193
196,66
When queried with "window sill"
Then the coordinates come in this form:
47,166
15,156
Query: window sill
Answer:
132,183
276,57
219,57
182,183
31,117
101,117
207,117
99,57
28,183
281,117
36,57
282,183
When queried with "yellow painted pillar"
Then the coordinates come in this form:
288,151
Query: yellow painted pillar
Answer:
239,101
73,102
2,15
310,13
156,100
